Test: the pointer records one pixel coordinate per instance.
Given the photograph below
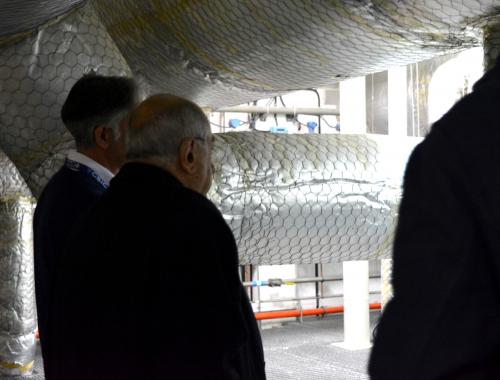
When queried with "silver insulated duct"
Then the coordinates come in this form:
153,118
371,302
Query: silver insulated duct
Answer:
216,53
293,199
36,74
17,288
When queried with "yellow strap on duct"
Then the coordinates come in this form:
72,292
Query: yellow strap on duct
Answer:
22,368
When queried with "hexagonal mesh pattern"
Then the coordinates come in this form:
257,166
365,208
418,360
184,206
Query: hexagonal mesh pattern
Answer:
293,199
35,77
17,297
288,199
227,52
216,53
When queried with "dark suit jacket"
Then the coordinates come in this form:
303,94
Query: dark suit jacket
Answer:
64,199
150,289
444,319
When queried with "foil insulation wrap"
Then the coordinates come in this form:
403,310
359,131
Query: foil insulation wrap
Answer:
228,52
19,17
216,53
36,74
17,287
296,199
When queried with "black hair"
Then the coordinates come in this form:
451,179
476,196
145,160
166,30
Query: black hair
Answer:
94,100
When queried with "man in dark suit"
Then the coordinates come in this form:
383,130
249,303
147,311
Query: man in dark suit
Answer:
150,282
444,320
94,113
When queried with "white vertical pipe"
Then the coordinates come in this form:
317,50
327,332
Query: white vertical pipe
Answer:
352,106
356,307
397,101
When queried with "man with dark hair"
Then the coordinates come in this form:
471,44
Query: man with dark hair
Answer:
444,320
95,112
146,311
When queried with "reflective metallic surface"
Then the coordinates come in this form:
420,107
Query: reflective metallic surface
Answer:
227,52
17,289
217,53
19,17
288,199
293,199
36,74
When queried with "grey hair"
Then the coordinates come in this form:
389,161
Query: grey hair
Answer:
83,130
161,137
114,123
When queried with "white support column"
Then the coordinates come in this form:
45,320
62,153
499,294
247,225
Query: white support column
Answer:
352,106
356,306
397,101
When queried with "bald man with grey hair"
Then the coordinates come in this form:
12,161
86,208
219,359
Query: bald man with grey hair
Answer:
158,242
161,135
176,138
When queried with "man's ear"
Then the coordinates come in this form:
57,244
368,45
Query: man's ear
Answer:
187,155
102,136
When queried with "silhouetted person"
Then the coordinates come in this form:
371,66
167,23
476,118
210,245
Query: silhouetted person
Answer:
94,113
150,286
444,320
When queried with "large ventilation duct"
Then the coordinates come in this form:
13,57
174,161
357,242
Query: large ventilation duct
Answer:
293,199
17,288
20,17
227,52
289,199
230,51
36,74
217,53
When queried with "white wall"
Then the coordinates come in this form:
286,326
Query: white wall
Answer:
397,94
353,105
453,80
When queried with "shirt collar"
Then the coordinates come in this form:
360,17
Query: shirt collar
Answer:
100,170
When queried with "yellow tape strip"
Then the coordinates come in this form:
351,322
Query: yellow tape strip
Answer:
22,368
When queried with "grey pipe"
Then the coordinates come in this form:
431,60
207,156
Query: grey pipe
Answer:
335,295
318,111
300,280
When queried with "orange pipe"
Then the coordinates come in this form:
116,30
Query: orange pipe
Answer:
305,312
